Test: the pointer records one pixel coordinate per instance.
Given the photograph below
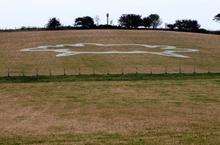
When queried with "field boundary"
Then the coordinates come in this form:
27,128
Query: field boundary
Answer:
108,77
34,29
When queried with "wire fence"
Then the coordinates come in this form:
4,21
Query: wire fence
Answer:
92,71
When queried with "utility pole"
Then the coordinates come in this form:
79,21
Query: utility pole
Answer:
107,16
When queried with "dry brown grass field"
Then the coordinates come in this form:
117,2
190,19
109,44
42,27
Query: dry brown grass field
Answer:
162,112
142,112
11,57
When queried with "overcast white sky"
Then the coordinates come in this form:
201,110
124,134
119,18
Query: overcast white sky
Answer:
17,13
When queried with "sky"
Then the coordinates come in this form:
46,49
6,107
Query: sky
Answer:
17,13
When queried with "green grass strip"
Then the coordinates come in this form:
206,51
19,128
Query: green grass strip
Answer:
109,77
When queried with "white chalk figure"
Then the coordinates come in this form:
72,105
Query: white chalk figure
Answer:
63,50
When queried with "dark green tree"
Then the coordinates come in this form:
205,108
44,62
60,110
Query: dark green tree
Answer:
130,21
187,25
155,20
171,26
53,24
147,22
85,22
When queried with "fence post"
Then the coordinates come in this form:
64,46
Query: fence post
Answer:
122,71
79,71
194,69
37,72
23,74
180,69
93,71
209,70
50,72
8,73
136,70
165,70
64,71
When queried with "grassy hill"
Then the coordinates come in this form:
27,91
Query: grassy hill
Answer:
11,57
113,109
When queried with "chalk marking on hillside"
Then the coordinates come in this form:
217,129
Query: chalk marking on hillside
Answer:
63,50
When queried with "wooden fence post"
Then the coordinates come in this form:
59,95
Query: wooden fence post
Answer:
37,73
194,69
79,71
93,71
180,69
209,70
8,73
75,71
165,70
23,73
122,71
64,71
50,72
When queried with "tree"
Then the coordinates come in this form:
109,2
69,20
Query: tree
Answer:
171,26
187,25
53,24
130,21
217,17
155,20
147,22
85,22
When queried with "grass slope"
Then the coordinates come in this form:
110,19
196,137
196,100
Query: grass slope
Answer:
159,111
11,56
